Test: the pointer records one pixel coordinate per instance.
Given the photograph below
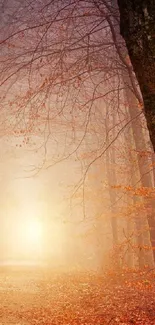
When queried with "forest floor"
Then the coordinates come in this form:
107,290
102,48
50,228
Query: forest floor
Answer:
37,296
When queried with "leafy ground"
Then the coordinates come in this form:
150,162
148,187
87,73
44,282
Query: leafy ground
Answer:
38,296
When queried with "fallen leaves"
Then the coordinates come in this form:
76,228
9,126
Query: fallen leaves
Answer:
45,297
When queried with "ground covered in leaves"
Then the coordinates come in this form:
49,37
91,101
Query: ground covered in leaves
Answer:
37,296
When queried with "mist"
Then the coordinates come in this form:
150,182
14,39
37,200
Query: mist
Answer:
77,142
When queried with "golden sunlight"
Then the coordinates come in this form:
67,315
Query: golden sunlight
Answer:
31,231
29,238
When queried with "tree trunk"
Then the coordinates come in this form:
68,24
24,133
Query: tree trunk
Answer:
146,179
137,26
111,178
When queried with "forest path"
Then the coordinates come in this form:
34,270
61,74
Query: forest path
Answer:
39,296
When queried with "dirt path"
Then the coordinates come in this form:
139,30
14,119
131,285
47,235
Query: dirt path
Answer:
41,297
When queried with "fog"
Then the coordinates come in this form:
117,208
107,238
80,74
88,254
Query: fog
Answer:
76,158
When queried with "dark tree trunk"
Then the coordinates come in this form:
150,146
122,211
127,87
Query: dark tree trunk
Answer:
137,26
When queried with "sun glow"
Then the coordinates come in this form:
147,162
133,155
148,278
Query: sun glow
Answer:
31,232
29,238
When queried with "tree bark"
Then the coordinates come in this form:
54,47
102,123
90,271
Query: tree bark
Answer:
137,26
146,179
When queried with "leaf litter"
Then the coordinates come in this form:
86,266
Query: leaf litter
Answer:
75,298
